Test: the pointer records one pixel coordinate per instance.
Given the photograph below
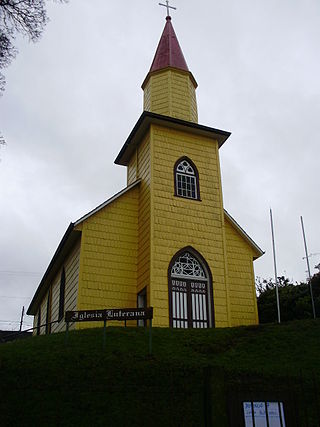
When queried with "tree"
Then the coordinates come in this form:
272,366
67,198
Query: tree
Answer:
295,301
25,17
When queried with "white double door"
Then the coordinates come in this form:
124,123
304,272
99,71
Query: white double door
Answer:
189,303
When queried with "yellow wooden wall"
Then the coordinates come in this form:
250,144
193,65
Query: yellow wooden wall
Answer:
171,92
144,173
71,266
35,321
108,259
43,313
132,168
140,168
178,222
243,301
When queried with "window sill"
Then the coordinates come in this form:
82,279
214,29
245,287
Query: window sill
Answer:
187,198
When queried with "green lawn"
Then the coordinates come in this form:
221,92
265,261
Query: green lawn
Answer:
47,383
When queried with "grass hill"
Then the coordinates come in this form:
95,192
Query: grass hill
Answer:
190,378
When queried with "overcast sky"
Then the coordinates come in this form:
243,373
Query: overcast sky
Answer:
72,99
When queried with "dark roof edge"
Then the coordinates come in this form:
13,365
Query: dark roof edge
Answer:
131,135
107,202
67,235
53,260
224,135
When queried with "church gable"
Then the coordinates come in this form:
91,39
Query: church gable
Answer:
108,259
256,252
241,281
86,255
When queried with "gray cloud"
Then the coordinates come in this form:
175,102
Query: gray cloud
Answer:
72,99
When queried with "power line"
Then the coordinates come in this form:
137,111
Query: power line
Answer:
9,321
20,273
14,322
14,297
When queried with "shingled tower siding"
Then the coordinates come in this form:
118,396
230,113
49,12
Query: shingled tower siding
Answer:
140,168
171,92
178,222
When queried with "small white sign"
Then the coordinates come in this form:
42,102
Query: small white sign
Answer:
260,416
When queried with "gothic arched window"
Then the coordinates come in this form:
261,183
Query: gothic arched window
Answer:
187,266
190,291
186,179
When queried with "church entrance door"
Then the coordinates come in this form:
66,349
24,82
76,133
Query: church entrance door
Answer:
189,293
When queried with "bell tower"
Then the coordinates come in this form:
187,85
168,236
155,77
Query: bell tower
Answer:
194,262
170,88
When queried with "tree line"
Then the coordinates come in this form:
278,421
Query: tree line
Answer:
295,300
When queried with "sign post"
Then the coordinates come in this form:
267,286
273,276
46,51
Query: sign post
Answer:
119,314
67,333
104,333
150,336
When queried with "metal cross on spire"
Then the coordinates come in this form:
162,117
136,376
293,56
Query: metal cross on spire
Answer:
168,7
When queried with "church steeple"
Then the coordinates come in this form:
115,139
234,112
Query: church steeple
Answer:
169,87
169,53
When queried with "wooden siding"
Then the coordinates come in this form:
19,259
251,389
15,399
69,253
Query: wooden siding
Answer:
147,97
71,289
71,267
184,103
132,169
108,261
178,222
171,92
43,314
243,301
144,173
35,322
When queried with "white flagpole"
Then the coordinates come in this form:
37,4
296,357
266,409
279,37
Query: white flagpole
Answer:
308,265
275,266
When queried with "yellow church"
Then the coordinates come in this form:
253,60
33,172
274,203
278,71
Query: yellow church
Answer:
164,241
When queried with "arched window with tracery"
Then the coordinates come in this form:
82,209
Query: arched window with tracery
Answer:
190,296
186,179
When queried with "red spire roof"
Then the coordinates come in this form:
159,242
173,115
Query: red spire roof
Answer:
169,53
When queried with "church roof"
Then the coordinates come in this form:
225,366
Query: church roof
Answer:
168,53
259,252
67,242
147,118
107,202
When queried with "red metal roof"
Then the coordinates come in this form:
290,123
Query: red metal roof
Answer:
169,53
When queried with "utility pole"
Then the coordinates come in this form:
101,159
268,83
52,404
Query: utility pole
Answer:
21,321
275,266
308,265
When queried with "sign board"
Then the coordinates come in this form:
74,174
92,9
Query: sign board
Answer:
109,314
261,411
